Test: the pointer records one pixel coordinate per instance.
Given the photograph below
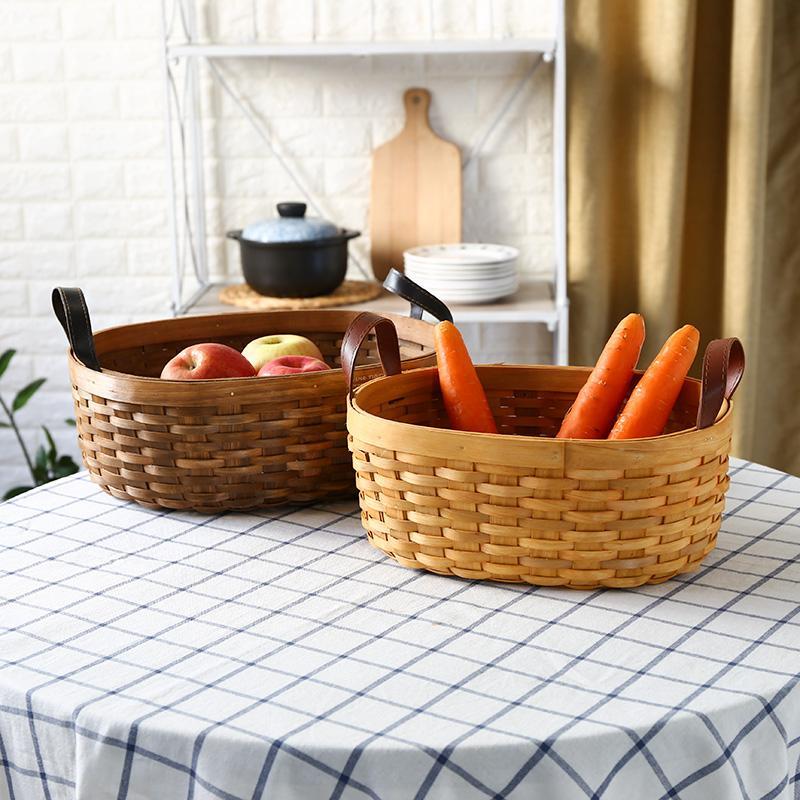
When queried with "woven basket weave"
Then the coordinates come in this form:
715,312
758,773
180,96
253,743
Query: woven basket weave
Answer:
525,507
219,444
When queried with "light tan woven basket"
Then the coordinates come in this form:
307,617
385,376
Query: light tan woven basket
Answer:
219,444
523,506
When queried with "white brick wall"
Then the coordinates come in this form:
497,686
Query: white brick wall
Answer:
81,154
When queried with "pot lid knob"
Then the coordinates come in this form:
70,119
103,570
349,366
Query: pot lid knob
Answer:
291,209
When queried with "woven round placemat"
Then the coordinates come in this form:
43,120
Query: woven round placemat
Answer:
349,292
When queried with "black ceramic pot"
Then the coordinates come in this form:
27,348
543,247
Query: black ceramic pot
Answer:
300,267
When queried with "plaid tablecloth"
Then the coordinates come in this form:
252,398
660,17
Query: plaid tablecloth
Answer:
277,655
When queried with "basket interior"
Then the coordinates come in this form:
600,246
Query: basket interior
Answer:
525,401
122,353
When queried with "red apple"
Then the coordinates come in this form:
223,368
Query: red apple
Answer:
208,360
292,365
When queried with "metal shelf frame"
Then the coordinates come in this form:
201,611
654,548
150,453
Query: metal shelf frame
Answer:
183,121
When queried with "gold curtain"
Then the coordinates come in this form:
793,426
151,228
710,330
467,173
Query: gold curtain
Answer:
684,189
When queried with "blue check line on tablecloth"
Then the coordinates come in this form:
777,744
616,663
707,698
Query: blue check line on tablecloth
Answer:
30,692
50,488
766,522
733,512
688,578
526,618
29,705
748,727
760,555
130,745
360,693
734,470
110,740
754,721
116,531
545,748
627,683
121,555
30,773
329,653
145,638
404,642
183,768
346,774
7,767
271,756
753,486
691,632
125,778
200,548
685,579
315,717
276,745
444,758
395,704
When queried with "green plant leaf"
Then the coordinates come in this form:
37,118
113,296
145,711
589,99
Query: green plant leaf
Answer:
41,473
64,466
15,491
5,360
70,421
51,446
25,394
4,424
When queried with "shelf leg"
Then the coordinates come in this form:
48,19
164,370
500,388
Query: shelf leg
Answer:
177,282
195,115
561,338
560,186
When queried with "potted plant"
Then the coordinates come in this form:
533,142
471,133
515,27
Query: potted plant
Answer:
46,464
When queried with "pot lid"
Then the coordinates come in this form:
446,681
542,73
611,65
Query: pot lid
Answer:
291,225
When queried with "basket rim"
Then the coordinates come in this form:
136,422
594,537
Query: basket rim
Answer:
465,441
311,378
254,380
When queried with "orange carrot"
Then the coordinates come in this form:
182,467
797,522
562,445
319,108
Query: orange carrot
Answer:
649,406
595,408
463,395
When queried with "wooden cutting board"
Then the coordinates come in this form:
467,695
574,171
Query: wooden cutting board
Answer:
416,189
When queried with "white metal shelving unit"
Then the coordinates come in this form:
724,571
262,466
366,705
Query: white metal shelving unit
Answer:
536,302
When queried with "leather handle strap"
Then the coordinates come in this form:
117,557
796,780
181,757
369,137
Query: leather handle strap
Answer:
420,299
70,307
388,346
723,367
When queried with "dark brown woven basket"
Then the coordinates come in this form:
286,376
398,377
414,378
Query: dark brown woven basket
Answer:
218,444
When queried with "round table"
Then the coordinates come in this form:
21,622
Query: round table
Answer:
276,654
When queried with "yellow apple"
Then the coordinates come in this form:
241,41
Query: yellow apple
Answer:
268,348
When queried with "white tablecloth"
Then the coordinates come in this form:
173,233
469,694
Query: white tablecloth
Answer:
278,655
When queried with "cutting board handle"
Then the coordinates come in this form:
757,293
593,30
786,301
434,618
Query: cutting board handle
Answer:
417,102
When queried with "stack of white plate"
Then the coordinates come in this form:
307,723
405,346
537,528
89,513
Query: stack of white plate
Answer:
464,273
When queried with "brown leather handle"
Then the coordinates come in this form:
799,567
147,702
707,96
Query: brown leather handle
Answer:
420,299
723,367
388,346
70,308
